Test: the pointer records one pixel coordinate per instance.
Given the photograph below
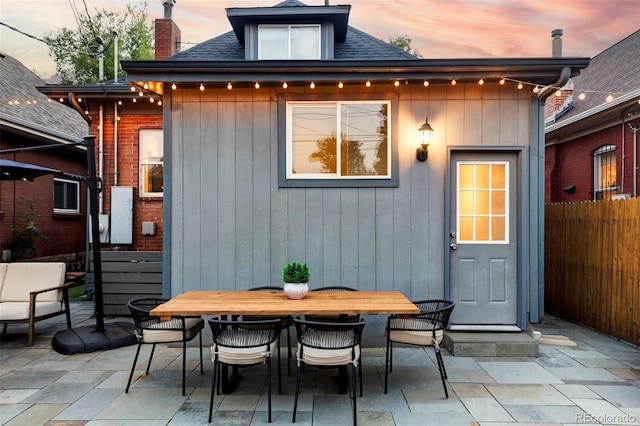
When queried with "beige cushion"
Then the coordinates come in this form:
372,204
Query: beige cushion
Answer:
22,278
20,310
329,357
243,356
422,338
155,334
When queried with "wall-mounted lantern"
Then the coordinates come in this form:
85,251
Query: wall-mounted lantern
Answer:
424,133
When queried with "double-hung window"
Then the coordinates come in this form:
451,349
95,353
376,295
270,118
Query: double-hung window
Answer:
151,163
289,42
604,172
66,196
338,140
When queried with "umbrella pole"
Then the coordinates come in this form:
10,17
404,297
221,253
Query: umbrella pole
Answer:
94,187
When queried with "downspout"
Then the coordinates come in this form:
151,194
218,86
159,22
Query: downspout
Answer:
634,129
115,111
536,304
101,156
623,157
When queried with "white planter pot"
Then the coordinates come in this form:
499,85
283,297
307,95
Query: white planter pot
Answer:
296,290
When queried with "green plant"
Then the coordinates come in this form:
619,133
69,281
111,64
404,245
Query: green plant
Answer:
22,244
295,272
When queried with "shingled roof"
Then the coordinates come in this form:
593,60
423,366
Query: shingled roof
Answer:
613,71
25,108
358,45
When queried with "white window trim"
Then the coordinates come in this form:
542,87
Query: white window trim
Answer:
77,186
507,198
289,148
141,164
288,27
597,167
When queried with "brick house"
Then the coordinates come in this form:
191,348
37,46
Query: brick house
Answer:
128,130
591,129
28,119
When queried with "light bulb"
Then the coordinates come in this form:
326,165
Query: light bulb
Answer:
173,86
133,89
536,89
140,93
426,83
481,82
520,86
581,96
152,100
201,87
396,83
159,103
340,85
257,85
609,98
229,86
119,102
368,83
453,82
145,86
285,85
558,92
312,85
502,82
135,100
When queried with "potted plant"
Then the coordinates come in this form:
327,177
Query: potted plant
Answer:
296,279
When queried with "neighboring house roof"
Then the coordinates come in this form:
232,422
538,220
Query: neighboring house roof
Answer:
27,111
614,71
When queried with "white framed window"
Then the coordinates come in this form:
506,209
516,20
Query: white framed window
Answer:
289,42
66,196
482,202
338,140
151,163
604,172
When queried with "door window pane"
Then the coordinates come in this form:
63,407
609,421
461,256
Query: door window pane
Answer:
482,195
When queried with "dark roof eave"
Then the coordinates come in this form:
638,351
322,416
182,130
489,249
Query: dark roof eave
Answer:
106,91
199,71
338,14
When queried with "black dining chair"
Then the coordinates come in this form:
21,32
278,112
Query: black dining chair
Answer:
329,344
287,322
241,343
339,318
423,329
153,330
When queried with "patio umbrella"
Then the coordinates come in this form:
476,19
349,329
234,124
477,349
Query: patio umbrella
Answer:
82,339
13,170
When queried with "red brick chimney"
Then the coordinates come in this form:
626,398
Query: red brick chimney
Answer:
167,33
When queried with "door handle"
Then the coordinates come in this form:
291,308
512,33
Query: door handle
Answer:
453,246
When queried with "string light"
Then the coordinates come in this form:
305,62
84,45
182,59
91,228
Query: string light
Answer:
285,85
558,92
581,96
152,99
520,86
368,83
453,82
119,102
133,88
396,83
140,93
173,86
159,103
426,83
229,86
257,85
340,85
145,86
536,89
312,85
201,87
502,82
135,100
609,98
481,82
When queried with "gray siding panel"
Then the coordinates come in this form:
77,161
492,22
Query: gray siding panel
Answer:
233,226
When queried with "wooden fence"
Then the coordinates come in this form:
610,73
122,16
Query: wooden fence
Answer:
592,265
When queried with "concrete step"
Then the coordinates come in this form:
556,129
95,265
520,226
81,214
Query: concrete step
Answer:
505,344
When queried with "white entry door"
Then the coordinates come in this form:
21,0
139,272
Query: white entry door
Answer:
483,244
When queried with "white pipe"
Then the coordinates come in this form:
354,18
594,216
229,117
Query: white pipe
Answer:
115,143
634,129
115,57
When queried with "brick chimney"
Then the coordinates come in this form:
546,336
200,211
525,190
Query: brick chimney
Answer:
167,33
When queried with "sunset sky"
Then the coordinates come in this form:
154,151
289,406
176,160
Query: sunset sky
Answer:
439,28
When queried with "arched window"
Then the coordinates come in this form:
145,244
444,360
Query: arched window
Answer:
604,172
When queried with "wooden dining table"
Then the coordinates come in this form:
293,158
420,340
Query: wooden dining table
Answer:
275,303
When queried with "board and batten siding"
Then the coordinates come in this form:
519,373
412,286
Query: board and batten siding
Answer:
233,227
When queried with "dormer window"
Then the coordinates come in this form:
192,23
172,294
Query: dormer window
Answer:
289,42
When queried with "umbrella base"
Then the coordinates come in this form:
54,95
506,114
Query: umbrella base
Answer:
87,339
